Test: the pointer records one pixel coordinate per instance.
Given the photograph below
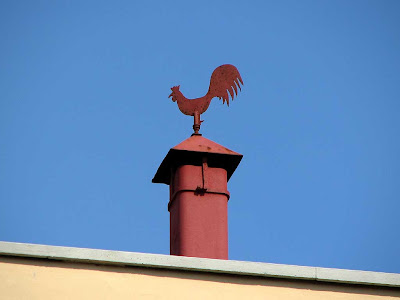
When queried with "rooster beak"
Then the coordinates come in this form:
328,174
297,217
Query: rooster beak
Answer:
173,97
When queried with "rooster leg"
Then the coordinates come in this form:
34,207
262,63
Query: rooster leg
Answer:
197,123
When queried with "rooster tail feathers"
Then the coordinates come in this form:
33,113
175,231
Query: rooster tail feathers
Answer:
224,79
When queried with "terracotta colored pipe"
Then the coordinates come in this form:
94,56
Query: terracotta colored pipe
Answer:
199,212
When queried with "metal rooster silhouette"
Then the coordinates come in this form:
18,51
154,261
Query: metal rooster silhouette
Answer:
224,79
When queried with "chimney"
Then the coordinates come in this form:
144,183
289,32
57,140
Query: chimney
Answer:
197,171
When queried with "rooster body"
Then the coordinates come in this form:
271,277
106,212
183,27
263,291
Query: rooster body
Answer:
190,106
224,79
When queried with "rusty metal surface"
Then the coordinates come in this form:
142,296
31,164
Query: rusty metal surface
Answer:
225,81
201,144
199,219
192,152
202,180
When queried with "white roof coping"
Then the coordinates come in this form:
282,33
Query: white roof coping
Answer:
108,257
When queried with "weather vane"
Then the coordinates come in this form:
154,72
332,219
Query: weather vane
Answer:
224,79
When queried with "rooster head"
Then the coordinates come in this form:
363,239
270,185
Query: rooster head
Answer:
175,90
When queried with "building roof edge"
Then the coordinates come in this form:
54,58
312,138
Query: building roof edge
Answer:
110,257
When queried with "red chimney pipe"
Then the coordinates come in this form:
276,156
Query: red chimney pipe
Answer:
197,171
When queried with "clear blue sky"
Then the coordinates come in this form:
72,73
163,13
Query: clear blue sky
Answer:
85,122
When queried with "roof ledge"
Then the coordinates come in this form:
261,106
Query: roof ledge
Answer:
108,257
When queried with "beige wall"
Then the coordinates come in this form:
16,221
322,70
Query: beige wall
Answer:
22,278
